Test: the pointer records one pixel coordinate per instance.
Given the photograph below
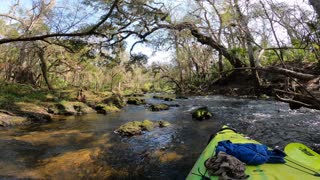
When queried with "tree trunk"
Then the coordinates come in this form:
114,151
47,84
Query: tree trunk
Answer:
43,65
203,39
243,20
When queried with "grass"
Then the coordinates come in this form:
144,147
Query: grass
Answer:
10,93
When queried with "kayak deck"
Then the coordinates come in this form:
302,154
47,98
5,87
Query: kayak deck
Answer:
292,169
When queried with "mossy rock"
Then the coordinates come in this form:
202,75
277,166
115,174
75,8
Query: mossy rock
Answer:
130,128
116,99
136,101
69,108
136,127
202,114
159,107
163,123
106,108
147,125
264,97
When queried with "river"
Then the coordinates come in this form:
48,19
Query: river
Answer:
86,147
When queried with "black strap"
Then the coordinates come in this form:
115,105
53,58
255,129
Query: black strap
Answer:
222,129
228,128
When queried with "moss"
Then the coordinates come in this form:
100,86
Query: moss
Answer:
69,108
136,127
163,123
115,99
202,114
136,101
159,107
147,125
106,108
130,128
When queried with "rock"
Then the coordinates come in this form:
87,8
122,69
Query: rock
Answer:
264,96
157,97
181,97
163,123
104,108
115,99
173,105
147,125
202,114
168,99
9,119
159,107
69,108
136,127
130,128
136,101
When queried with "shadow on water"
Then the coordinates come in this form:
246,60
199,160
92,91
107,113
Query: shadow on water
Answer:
85,147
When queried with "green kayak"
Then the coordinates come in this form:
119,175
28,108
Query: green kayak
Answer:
293,169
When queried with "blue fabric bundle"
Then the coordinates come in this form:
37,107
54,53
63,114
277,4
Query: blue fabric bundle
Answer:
251,154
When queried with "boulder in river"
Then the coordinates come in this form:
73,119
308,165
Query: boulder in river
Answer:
147,125
163,123
106,108
69,108
136,101
130,128
116,99
136,127
202,114
159,107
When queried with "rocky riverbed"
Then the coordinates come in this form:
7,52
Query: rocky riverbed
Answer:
79,147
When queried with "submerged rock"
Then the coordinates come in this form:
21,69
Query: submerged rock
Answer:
159,107
202,114
136,101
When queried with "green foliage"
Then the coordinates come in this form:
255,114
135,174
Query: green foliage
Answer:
12,92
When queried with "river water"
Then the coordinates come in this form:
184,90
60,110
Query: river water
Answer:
85,147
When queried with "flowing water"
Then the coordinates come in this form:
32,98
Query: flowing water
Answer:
85,147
